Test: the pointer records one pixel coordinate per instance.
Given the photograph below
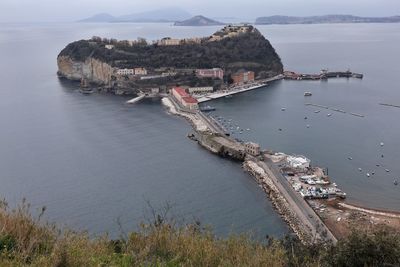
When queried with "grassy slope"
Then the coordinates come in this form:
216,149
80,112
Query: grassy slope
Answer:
26,241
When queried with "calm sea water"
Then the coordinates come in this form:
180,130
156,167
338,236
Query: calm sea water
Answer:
371,49
93,160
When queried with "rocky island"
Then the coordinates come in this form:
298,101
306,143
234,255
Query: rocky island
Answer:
198,21
132,66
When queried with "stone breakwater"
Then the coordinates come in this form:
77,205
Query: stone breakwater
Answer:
279,202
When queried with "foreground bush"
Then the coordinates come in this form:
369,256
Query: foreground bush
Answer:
26,241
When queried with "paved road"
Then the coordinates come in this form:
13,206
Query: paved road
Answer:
303,211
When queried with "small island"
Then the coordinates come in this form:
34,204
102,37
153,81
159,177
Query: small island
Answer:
133,66
198,21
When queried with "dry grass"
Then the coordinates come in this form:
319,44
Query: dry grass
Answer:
27,241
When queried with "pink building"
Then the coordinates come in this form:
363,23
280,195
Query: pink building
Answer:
210,73
184,98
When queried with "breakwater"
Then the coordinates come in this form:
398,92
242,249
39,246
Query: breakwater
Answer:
323,75
301,218
280,203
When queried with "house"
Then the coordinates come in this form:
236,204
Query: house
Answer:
299,162
125,71
210,73
243,77
252,148
140,71
184,98
169,41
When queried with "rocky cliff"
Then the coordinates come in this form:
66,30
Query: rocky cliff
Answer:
94,70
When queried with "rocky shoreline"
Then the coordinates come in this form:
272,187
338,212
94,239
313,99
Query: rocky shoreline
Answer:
278,201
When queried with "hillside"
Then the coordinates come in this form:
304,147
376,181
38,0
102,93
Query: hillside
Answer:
325,19
28,241
198,21
171,61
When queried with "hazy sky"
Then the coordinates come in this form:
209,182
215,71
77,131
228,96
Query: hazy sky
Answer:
70,10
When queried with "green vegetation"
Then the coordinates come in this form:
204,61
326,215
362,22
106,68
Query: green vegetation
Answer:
250,51
26,241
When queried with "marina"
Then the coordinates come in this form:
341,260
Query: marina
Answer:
333,109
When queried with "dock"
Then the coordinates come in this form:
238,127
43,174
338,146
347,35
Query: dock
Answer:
323,75
136,99
389,105
238,89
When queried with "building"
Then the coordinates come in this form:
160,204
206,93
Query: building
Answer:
184,98
109,46
252,148
299,162
243,77
125,71
140,71
200,90
210,73
169,41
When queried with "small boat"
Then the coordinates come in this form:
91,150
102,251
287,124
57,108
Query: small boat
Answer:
350,158
248,129
308,125
280,129
382,144
372,173
387,170
317,111
283,109
359,169
368,175
329,114
377,165
228,96
395,182
382,156
207,108
305,118
307,94
86,91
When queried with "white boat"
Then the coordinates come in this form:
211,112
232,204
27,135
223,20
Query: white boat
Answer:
387,170
308,125
317,111
360,169
350,158
382,144
283,109
329,114
368,175
248,129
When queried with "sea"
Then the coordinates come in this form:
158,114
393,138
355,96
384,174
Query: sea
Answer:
102,166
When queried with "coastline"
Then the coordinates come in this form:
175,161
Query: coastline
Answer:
328,213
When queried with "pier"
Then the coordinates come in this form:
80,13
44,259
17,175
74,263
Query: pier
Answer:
291,205
323,75
238,89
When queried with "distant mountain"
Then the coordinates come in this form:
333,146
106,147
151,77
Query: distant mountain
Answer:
102,17
325,19
171,14
198,21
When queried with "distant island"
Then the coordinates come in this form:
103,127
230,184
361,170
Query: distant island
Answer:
325,19
198,21
233,54
171,14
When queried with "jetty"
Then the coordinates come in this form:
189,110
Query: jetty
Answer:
323,75
291,205
389,105
238,89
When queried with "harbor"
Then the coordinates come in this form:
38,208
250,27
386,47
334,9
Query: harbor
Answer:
238,89
323,75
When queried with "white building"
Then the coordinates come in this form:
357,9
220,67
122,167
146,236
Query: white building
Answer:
109,46
169,41
125,72
299,162
252,148
200,90
140,71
